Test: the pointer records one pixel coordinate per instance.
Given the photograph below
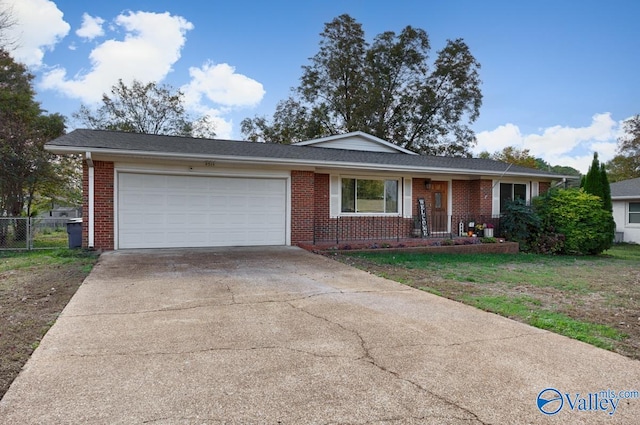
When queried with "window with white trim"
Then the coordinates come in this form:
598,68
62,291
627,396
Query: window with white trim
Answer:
369,196
634,212
510,192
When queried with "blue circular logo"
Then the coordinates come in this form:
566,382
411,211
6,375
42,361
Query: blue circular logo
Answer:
550,401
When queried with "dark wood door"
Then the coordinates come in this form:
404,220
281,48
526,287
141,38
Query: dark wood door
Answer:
439,201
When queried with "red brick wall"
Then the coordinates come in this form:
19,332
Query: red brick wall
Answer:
461,197
485,198
351,228
323,225
418,191
543,187
103,205
302,206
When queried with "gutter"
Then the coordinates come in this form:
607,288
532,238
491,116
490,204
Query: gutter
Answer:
91,218
625,198
289,162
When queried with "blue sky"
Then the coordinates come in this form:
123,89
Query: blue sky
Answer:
558,76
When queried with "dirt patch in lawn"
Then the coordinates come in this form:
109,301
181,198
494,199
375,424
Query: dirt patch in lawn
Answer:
31,298
594,291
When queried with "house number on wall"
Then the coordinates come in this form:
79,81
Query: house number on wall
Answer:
209,164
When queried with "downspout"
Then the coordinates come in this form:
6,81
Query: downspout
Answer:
91,218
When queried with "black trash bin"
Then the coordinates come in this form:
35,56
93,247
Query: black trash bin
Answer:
74,230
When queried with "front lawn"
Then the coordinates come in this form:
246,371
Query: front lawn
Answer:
592,299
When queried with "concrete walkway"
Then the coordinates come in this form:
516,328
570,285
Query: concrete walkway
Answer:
279,335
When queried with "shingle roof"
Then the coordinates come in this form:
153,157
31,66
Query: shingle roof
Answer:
140,144
626,188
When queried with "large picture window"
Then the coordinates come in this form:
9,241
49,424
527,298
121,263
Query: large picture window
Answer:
369,196
634,212
510,192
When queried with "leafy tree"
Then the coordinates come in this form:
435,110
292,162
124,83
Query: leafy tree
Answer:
389,89
7,21
144,108
626,165
622,167
560,169
24,129
515,156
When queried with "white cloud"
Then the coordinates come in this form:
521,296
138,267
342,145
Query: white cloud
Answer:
221,85
572,146
222,127
151,45
39,27
91,27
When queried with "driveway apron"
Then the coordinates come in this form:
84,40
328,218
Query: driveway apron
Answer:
278,335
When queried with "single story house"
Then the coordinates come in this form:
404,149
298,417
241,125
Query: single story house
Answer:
625,196
151,191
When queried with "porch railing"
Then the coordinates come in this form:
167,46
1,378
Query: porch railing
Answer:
365,228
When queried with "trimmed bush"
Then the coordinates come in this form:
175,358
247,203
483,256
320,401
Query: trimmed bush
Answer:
580,217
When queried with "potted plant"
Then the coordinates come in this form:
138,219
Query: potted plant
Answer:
480,230
488,230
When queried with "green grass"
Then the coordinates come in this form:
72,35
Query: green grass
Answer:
12,260
563,294
529,310
624,252
48,238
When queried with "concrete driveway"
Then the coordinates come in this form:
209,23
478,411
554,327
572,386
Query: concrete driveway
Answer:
279,335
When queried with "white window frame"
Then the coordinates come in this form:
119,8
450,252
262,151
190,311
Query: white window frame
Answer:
530,187
628,213
398,181
335,196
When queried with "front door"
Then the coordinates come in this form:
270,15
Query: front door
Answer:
439,200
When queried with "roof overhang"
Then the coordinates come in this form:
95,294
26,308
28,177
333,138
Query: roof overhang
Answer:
96,153
625,198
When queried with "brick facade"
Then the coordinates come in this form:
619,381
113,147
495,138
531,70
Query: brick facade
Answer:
543,187
103,205
310,209
302,206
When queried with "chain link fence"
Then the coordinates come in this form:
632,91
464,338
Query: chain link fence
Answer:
25,233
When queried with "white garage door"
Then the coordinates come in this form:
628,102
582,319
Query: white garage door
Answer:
162,211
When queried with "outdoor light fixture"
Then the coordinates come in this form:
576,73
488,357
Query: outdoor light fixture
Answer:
427,184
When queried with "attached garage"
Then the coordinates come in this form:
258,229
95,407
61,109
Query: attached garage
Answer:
178,211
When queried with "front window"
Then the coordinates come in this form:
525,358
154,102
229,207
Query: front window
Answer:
511,192
634,212
369,196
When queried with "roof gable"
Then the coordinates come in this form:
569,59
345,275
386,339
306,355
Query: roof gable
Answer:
356,141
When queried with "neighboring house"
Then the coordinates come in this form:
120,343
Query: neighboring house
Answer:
626,209
148,191
62,212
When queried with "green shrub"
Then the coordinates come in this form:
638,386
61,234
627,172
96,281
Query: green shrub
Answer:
520,223
488,239
580,217
549,242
